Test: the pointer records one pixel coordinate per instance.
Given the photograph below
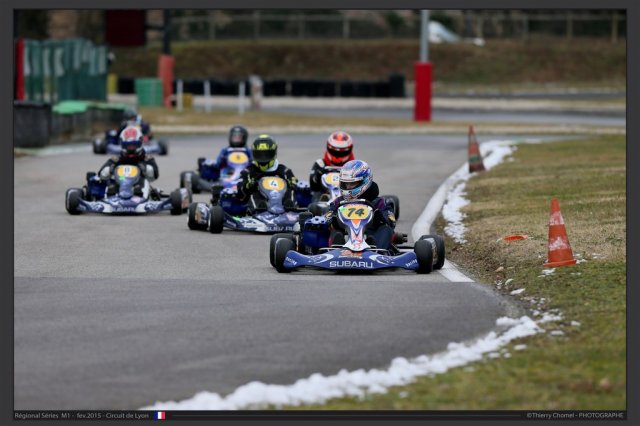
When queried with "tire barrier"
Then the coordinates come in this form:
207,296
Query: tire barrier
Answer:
38,124
394,87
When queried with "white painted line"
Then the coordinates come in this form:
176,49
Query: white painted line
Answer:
450,272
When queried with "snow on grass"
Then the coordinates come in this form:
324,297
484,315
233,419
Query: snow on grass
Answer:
493,153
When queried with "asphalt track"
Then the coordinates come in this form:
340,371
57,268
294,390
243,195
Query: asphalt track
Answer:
121,312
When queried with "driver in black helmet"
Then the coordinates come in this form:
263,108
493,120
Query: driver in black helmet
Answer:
238,136
265,163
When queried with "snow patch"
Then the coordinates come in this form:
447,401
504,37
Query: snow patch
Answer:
318,388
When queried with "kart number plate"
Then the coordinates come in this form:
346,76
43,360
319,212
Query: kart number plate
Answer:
273,183
355,211
125,171
238,158
332,179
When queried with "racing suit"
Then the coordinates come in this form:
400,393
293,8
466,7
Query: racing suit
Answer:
318,169
382,225
146,164
248,186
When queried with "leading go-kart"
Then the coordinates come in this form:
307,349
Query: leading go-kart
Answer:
309,246
208,174
331,190
110,144
273,216
126,192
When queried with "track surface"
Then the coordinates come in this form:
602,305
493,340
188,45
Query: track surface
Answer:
121,312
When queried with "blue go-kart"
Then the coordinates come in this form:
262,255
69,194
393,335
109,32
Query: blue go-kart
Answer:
309,246
111,145
209,175
228,212
125,193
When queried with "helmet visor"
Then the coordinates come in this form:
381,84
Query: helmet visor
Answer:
264,155
339,153
349,185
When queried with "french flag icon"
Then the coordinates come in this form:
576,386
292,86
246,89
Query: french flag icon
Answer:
160,415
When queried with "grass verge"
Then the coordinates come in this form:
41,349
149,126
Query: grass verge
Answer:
199,121
585,366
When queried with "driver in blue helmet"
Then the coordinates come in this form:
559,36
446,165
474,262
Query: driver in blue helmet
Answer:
264,151
356,182
131,153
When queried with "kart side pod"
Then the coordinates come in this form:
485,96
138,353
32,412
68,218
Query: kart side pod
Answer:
316,232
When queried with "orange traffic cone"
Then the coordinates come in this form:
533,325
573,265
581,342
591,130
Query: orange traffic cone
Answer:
559,253
475,159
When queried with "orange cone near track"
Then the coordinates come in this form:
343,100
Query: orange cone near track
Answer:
559,253
475,159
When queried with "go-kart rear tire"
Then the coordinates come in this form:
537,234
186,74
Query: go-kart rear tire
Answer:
164,147
176,202
191,222
392,199
424,254
216,219
283,245
272,245
439,248
72,200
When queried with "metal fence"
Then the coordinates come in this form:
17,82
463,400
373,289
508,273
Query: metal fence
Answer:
211,25
56,70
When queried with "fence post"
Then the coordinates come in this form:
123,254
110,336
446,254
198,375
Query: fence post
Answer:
569,25
212,25
207,95
614,27
241,98
345,26
179,95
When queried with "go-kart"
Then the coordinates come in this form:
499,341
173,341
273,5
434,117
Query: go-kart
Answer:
111,145
229,212
309,247
331,190
209,175
126,192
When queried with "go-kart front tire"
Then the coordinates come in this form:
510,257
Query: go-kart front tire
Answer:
176,202
272,245
99,146
72,200
216,219
192,222
439,249
283,245
424,254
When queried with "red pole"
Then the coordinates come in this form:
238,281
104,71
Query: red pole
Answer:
422,76
165,73
20,93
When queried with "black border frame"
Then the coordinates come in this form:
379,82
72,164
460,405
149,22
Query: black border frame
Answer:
7,167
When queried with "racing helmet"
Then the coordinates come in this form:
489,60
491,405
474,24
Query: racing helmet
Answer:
355,178
131,142
339,148
238,136
264,150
